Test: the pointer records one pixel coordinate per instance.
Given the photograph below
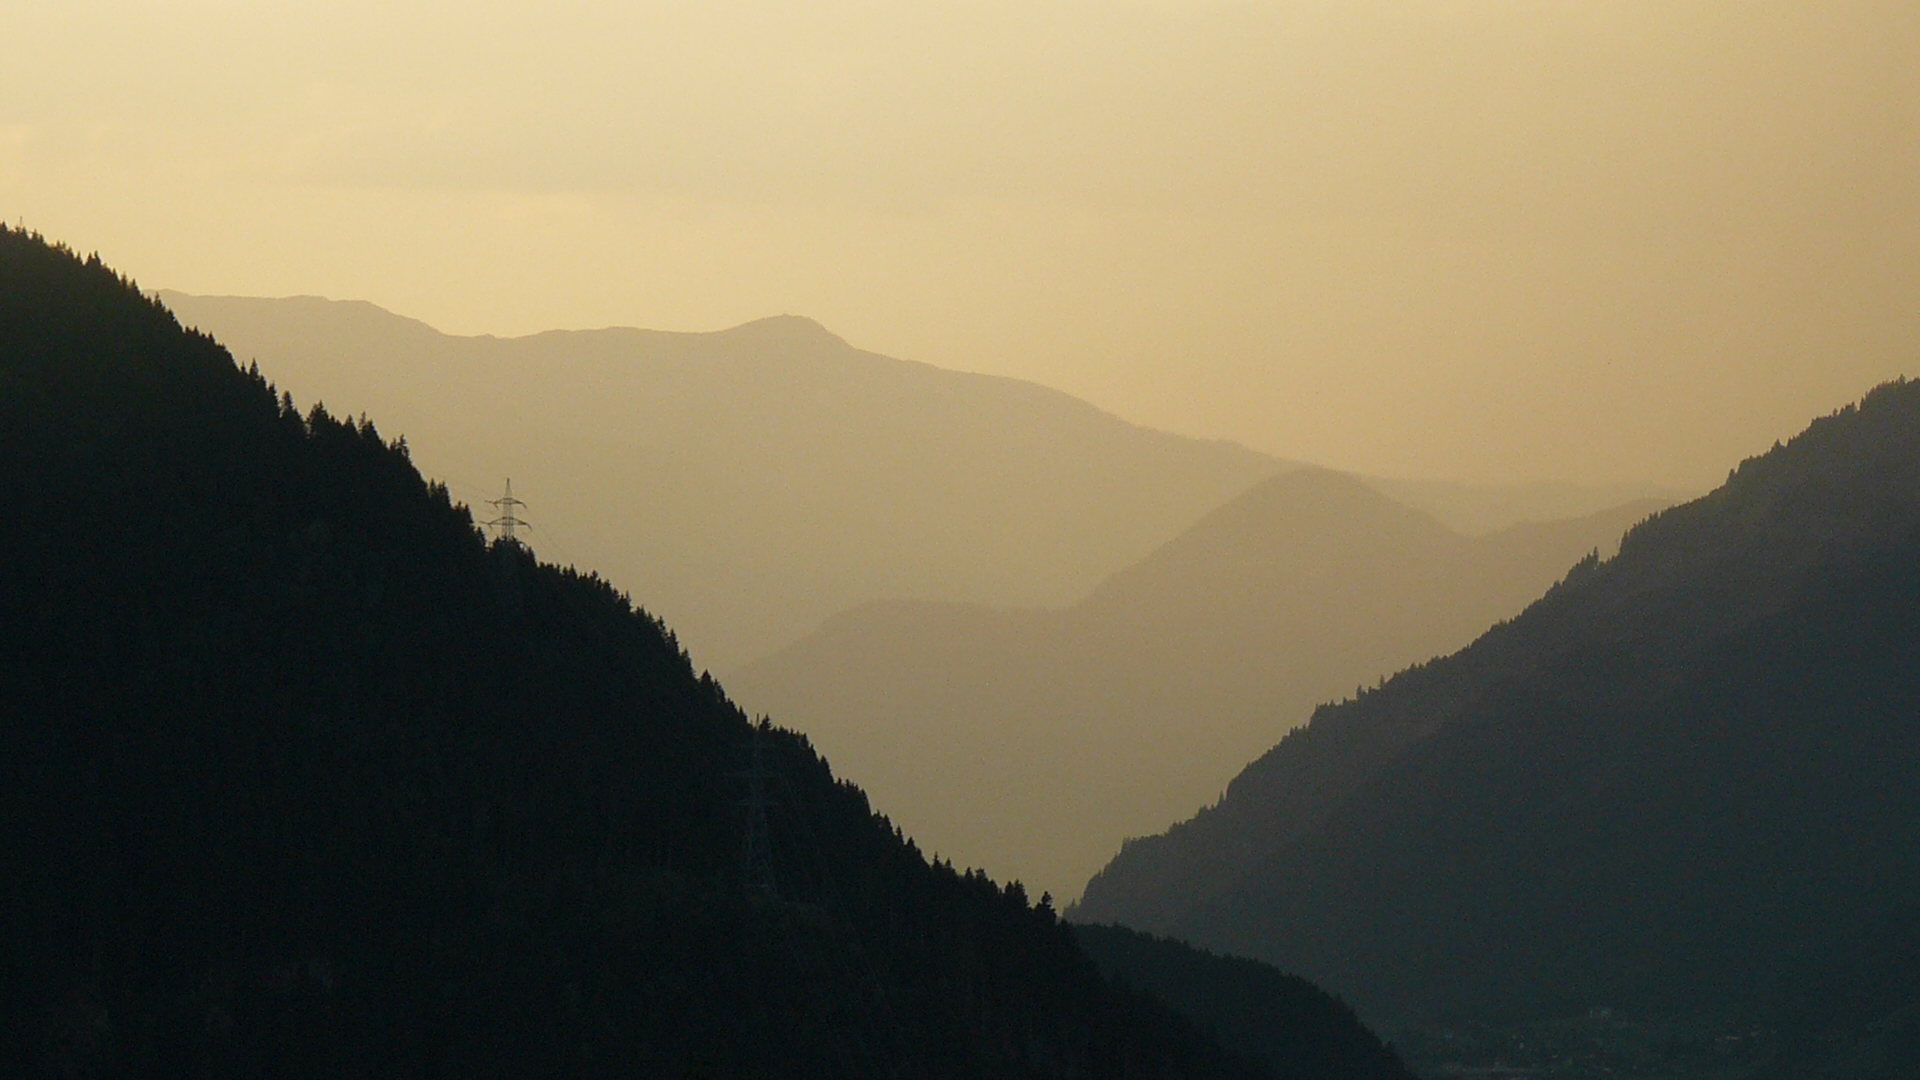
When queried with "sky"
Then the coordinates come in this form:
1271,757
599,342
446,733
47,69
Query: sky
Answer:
1489,240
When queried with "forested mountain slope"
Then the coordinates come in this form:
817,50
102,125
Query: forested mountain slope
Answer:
1035,741
300,777
1295,1028
1683,780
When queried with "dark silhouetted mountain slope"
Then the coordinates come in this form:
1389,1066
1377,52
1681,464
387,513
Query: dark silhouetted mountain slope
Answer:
1035,741
1682,780
299,777
1297,1029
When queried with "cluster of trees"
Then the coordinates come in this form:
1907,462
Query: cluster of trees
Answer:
299,776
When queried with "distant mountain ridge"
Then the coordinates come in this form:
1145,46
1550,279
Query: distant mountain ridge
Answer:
1036,740
1681,780
750,483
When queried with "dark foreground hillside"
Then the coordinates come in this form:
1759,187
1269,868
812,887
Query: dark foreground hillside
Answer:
1686,782
299,777
1293,1027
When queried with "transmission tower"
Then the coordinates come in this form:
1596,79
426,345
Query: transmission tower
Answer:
756,847
509,519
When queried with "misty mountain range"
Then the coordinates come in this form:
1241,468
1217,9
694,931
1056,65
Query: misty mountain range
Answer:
747,484
750,483
1034,741
303,777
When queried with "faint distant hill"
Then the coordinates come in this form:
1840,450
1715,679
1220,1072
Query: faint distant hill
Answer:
1682,781
1476,509
1035,741
749,483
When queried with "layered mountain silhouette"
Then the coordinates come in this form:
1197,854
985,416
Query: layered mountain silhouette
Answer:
300,777
749,484
1682,780
1034,741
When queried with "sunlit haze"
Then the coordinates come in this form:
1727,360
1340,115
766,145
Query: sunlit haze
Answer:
1228,539
1593,240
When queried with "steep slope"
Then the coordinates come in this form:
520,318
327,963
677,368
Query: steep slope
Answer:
750,483
300,777
1292,1026
1682,780
1034,741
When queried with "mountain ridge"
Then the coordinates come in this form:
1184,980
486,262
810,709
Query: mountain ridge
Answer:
847,478
751,482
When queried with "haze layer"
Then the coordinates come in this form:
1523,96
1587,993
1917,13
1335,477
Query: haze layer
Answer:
1488,240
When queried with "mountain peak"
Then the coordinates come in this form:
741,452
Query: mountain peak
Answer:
1318,498
1301,520
789,330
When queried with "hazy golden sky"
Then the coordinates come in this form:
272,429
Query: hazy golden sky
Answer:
1486,239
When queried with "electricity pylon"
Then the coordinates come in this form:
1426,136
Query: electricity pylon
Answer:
509,519
756,849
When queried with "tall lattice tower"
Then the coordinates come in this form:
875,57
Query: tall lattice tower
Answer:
756,845
509,522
